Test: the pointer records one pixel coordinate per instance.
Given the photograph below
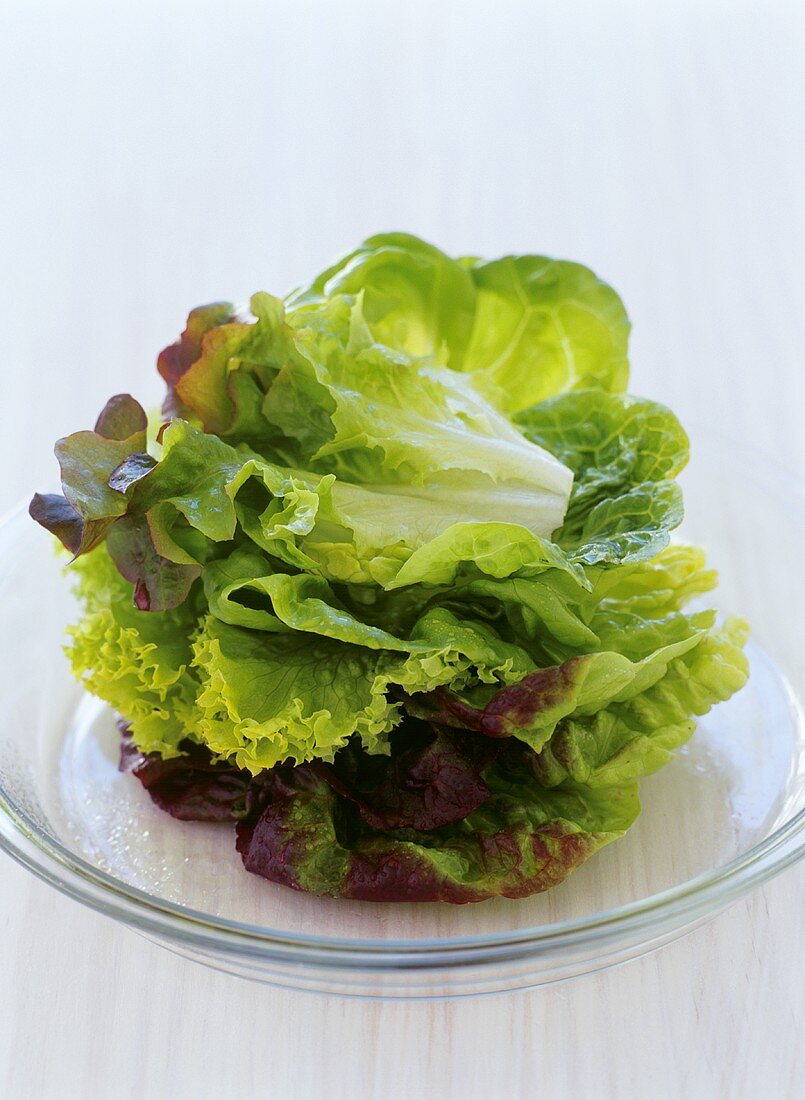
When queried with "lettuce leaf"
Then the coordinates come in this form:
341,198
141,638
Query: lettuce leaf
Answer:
89,461
415,298
630,739
136,661
531,709
329,399
268,698
521,840
431,777
523,327
544,326
190,787
624,453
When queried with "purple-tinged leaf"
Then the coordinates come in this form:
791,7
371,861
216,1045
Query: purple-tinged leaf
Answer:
511,709
512,862
159,584
432,777
190,787
178,357
303,839
55,513
88,461
293,828
131,470
121,418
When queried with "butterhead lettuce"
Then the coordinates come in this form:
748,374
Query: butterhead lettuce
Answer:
393,588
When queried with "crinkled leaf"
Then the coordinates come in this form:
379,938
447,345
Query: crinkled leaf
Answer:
267,697
666,583
611,441
532,708
496,550
136,661
632,527
623,452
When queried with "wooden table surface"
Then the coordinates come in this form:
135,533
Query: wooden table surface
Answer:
154,159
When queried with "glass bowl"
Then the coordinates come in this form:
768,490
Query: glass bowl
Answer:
726,815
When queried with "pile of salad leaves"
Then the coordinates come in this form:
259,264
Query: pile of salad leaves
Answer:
392,586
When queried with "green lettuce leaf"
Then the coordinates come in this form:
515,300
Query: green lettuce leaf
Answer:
136,661
544,326
523,327
634,738
624,453
327,398
267,698
666,583
415,298
532,708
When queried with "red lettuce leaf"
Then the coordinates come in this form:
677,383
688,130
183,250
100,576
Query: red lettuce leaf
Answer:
175,360
432,777
159,584
510,709
190,787
132,469
121,417
309,832
305,840
56,514
89,462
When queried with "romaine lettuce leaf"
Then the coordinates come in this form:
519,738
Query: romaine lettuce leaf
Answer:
523,327
329,399
415,298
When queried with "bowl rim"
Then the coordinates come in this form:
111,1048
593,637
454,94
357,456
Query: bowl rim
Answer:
678,906
129,904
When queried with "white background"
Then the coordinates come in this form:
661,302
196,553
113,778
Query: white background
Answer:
153,157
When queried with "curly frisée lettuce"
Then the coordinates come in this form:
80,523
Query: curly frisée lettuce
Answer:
392,590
